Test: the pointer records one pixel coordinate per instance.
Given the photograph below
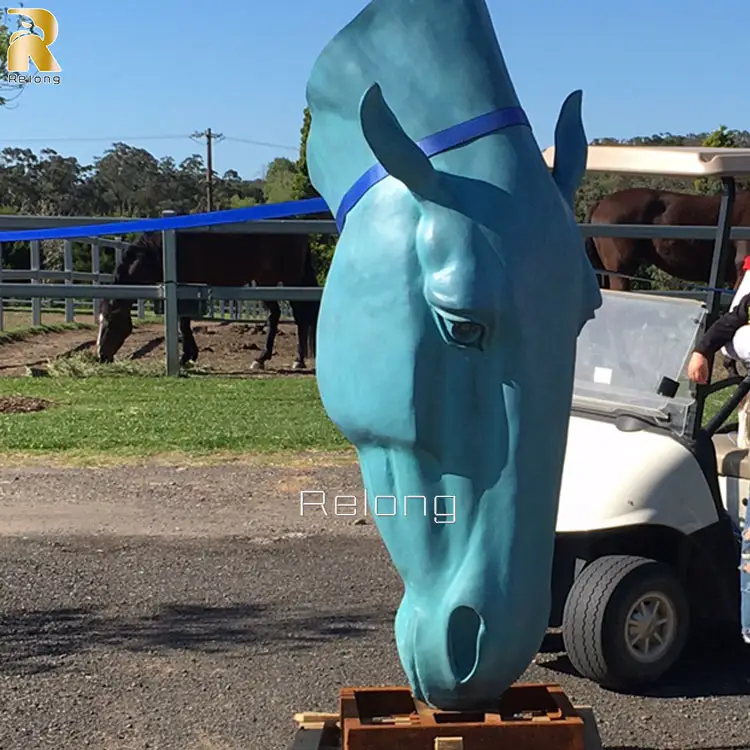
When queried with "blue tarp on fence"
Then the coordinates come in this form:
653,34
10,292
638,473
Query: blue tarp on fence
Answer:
196,221
190,221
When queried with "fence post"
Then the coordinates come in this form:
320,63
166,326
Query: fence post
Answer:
70,313
36,264
95,250
171,321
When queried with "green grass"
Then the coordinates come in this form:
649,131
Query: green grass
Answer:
714,402
124,411
85,365
138,417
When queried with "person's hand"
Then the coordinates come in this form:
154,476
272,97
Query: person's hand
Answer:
698,368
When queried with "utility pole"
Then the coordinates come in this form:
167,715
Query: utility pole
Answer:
210,137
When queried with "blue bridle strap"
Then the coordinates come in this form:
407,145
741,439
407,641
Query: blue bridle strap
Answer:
437,143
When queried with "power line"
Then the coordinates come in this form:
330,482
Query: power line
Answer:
261,143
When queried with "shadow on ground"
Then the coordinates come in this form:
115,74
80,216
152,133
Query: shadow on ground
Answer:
712,667
32,642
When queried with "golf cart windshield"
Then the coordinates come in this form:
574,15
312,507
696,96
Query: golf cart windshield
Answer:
630,354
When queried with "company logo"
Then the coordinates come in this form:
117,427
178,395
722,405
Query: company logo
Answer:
26,45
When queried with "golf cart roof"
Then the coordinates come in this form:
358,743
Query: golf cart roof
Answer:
673,161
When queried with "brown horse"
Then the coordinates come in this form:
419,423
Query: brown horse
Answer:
217,259
689,260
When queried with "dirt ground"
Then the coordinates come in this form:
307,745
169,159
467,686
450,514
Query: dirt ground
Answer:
198,608
225,348
22,404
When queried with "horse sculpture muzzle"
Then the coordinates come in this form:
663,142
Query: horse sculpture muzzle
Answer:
467,265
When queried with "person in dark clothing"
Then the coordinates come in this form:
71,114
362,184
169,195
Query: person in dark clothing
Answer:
719,335
732,333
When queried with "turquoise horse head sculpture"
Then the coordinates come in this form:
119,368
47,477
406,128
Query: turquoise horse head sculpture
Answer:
448,325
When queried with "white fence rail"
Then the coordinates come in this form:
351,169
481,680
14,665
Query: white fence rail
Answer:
41,276
27,303
170,292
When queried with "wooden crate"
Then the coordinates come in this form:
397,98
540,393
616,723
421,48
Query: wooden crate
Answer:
527,717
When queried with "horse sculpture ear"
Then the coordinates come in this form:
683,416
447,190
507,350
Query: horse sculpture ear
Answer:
571,148
392,147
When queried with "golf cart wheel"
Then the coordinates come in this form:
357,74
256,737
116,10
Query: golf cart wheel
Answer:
626,621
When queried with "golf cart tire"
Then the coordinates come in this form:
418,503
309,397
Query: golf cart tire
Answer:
596,609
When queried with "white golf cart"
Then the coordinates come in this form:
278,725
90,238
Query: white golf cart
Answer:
648,543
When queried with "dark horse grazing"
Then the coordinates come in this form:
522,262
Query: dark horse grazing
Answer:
689,260
217,259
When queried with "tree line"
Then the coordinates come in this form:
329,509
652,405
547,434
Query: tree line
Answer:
126,182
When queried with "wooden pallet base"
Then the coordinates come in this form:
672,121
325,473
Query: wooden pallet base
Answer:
527,717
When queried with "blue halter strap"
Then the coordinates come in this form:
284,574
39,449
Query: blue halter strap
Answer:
437,143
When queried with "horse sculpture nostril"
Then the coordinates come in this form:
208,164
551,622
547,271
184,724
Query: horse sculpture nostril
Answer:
465,627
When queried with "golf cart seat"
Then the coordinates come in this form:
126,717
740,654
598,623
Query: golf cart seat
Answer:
731,461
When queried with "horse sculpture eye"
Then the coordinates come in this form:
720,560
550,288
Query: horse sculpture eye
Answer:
466,333
460,332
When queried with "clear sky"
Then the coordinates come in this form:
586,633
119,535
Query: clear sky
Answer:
152,73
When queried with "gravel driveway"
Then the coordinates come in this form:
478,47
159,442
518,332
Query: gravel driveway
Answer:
193,608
